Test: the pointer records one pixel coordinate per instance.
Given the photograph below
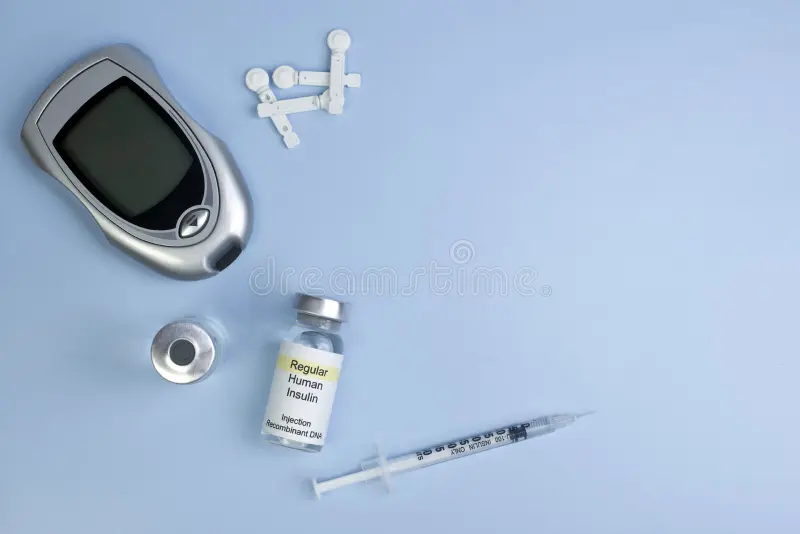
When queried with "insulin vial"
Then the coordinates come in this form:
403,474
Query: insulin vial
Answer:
306,375
186,351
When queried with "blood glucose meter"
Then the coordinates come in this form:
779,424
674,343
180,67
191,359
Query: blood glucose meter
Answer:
160,187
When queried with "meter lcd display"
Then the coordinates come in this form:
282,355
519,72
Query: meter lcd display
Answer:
132,156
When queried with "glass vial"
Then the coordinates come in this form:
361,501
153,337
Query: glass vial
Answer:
306,376
187,351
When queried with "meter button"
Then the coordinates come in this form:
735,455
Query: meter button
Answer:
193,222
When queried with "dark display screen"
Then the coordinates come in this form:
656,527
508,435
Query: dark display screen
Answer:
128,152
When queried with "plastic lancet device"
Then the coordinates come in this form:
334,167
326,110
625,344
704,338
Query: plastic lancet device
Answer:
286,77
338,42
383,468
281,108
257,80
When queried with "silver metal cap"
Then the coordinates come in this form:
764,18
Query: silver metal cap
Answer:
183,352
321,307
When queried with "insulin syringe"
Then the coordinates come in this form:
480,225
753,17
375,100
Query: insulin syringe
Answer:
383,468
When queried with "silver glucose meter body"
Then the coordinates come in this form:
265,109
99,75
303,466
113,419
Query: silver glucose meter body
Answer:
161,187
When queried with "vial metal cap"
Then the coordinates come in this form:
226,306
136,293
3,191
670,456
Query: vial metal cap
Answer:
183,352
321,307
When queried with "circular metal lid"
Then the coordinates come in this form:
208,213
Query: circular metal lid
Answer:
321,307
183,352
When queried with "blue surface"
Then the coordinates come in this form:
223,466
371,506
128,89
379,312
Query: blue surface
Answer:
641,157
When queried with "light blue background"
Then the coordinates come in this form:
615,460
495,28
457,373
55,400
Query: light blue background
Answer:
641,156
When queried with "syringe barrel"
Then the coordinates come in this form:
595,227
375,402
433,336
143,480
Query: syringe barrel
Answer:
470,445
